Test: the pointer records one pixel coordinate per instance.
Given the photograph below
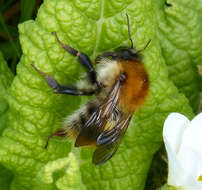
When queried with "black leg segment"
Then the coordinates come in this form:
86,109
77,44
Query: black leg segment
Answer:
72,91
60,89
82,58
59,133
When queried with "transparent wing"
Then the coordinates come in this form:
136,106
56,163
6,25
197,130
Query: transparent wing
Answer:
109,141
99,118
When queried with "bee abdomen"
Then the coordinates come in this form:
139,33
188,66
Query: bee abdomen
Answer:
74,123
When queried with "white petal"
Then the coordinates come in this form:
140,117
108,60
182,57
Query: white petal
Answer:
191,163
193,135
174,168
173,130
190,153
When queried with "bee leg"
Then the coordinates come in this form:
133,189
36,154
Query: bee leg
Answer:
83,59
60,89
59,133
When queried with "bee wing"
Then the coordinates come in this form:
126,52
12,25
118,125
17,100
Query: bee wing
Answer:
109,141
98,119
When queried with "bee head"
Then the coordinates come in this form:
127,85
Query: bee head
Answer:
121,53
124,53
127,53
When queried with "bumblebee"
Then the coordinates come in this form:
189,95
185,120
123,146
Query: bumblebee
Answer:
119,84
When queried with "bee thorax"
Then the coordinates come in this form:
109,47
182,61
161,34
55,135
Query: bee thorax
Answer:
108,70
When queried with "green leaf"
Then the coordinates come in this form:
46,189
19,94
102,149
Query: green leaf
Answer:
11,29
35,111
6,29
5,178
180,27
5,81
6,78
26,9
62,173
7,49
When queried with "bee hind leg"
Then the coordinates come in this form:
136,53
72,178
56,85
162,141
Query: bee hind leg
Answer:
83,59
59,133
60,89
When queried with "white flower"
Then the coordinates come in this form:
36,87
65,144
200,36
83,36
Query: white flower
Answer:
183,142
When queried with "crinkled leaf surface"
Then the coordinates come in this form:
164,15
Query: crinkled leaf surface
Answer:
5,80
35,111
179,32
180,28
62,173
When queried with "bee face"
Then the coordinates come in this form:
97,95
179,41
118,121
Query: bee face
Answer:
120,88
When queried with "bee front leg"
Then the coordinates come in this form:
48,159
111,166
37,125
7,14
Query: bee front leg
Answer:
83,59
60,89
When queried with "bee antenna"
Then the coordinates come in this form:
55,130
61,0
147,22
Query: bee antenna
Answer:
144,46
129,31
